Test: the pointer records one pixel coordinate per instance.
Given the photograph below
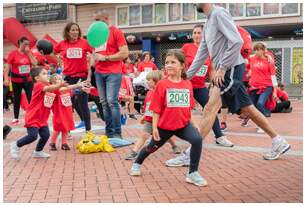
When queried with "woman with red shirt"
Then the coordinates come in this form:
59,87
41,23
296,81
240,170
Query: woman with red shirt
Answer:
20,64
262,79
146,65
172,110
74,50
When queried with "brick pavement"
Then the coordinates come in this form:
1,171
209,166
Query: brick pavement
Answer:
236,174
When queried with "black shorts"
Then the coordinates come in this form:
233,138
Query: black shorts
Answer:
233,92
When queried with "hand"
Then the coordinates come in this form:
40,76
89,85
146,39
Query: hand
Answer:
218,78
6,82
155,134
88,80
98,57
86,89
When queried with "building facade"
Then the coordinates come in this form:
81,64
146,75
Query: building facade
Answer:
158,27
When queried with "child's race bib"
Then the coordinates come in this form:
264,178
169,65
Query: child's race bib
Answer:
24,69
178,98
202,71
148,112
66,100
148,69
74,53
49,99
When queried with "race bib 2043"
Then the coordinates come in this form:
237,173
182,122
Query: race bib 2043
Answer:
74,53
178,98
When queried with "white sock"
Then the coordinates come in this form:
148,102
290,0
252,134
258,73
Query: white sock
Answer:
277,139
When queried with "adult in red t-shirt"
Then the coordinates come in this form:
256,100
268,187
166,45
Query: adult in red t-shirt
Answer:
146,65
37,114
172,109
198,81
73,50
108,63
20,63
262,78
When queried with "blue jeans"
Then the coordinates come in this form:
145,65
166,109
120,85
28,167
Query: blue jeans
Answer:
108,87
32,136
259,100
201,95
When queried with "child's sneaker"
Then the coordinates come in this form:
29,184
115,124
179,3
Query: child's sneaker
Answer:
196,179
135,170
176,149
131,156
65,147
14,150
40,154
52,147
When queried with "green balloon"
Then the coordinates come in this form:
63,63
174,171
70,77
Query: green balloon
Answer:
97,34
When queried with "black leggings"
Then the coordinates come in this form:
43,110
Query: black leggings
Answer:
281,106
17,89
188,133
5,92
33,132
96,100
80,102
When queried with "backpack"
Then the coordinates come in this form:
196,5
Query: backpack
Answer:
246,48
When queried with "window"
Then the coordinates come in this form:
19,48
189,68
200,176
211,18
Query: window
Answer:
188,12
147,14
253,9
290,8
270,9
122,16
236,10
221,5
160,13
134,15
174,12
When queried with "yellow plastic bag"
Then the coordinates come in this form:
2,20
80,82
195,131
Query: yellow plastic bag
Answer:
91,144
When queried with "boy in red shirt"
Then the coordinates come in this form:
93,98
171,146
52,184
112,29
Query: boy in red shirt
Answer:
152,78
37,114
172,110
281,103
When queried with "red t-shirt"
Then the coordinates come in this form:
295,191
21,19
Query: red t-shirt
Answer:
271,103
146,66
148,114
21,65
62,112
261,71
38,111
130,68
190,51
174,102
94,91
126,88
115,41
74,57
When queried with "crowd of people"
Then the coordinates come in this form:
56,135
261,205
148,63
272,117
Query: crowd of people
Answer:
65,80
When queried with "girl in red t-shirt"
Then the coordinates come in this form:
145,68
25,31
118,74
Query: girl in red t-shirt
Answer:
152,78
172,110
146,65
62,112
37,114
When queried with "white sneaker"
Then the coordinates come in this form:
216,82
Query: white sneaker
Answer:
278,148
196,179
223,141
259,130
179,161
40,154
15,150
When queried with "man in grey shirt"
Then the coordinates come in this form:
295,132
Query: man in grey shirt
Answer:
222,42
